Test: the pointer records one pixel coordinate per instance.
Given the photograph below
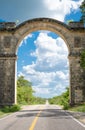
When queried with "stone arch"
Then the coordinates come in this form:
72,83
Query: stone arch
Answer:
10,38
43,24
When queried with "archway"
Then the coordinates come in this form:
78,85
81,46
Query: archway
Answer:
12,36
43,60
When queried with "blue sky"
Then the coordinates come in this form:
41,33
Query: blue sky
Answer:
42,55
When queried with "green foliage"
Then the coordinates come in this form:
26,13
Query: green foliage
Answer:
8,109
1,113
63,99
69,21
24,91
21,82
38,100
82,8
5,109
14,108
78,108
82,60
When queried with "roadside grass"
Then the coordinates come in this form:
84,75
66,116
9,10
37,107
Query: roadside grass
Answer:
6,110
1,113
78,108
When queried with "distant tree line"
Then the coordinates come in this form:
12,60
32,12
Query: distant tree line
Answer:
25,93
62,99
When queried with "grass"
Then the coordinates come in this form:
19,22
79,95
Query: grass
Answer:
78,108
2,114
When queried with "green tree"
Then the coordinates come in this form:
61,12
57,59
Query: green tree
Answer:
24,91
21,81
82,8
39,100
63,99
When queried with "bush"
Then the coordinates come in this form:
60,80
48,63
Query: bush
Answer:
5,109
8,109
14,108
65,105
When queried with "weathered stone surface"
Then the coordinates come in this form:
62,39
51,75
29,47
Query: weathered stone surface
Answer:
7,25
76,24
7,81
10,38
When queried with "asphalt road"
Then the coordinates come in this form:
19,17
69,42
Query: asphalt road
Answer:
40,117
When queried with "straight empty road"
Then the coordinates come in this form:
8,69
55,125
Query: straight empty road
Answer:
40,117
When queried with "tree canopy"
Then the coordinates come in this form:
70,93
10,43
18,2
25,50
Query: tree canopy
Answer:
24,90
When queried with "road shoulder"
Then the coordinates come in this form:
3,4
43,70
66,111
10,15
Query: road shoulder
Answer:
78,115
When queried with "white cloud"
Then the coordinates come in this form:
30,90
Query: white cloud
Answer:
29,69
41,90
50,68
62,75
60,8
25,39
20,74
49,51
65,6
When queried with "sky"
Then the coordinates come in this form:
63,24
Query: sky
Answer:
42,55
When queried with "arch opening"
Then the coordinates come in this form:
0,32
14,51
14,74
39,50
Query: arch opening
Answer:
43,61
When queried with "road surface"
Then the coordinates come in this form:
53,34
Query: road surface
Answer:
40,117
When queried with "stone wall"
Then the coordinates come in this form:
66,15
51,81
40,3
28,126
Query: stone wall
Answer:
7,80
7,68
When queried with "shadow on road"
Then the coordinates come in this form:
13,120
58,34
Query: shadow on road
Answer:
45,113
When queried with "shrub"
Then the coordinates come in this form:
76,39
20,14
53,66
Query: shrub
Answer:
8,109
5,109
65,105
14,108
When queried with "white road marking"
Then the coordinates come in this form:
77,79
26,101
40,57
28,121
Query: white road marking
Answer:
75,119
